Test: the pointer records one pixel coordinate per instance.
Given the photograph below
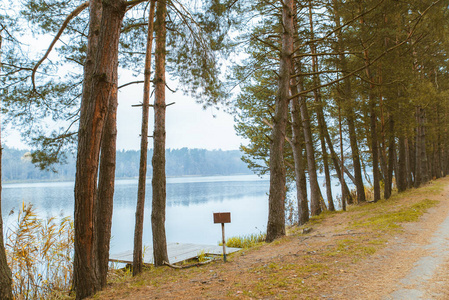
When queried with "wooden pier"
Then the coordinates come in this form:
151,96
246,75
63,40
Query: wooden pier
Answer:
177,252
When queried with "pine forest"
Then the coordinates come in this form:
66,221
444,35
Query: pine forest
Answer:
356,91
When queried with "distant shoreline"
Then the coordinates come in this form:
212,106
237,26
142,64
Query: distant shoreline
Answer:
117,178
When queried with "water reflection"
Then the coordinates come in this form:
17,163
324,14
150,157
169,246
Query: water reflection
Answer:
191,202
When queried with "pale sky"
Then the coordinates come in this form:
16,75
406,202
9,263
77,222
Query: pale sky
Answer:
187,124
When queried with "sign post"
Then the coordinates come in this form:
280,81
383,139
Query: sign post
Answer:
224,217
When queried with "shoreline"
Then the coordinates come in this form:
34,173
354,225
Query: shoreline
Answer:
120,178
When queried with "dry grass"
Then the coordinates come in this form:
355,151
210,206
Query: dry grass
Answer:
40,255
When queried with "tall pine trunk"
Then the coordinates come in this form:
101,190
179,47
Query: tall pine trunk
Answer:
106,183
348,109
297,147
373,126
374,145
401,178
315,192
99,86
319,112
391,159
159,179
138,230
425,176
337,165
411,160
276,199
418,145
342,175
5,271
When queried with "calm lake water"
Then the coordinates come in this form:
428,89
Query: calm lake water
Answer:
191,202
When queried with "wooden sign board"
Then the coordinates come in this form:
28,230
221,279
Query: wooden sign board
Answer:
223,217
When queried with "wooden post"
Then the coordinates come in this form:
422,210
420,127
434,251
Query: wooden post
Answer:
222,218
224,241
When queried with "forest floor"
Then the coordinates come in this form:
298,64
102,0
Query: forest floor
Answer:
394,249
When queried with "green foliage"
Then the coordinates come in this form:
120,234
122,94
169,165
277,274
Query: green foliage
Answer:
391,220
246,241
202,256
47,113
40,255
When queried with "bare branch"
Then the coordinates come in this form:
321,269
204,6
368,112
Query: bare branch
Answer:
130,83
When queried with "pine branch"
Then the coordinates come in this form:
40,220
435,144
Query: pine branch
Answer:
72,15
339,27
409,36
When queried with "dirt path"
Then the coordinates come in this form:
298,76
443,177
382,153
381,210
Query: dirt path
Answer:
336,261
413,266
421,277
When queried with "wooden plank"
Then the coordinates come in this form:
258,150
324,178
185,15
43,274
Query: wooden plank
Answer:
177,252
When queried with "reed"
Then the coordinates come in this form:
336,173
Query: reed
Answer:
40,255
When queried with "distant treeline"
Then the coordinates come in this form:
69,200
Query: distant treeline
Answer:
16,164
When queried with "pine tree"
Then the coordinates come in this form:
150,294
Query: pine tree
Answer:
138,231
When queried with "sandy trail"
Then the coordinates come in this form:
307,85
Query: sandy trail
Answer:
414,265
417,283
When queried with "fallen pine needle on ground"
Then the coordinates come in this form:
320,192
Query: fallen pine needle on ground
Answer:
369,252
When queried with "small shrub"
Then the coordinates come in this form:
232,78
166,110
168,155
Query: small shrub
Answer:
246,241
201,256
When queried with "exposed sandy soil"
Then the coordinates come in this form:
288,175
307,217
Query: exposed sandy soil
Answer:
334,261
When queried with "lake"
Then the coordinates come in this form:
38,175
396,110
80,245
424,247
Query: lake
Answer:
191,202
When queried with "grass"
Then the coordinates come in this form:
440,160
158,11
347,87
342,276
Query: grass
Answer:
382,218
308,265
245,241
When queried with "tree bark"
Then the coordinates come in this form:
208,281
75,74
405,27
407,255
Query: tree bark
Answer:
325,158
374,149
138,231
342,178
391,159
276,198
159,179
373,126
106,183
418,144
315,192
298,143
402,170
349,112
425,176
5,271
297,147
410,162
360,187
319,113
337,165
100,85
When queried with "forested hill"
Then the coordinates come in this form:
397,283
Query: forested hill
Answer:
16,164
